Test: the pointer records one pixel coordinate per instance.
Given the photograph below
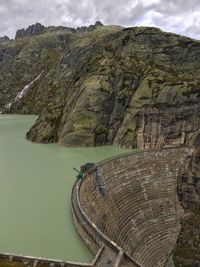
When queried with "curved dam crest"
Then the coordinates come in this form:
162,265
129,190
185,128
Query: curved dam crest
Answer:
35,190
141,212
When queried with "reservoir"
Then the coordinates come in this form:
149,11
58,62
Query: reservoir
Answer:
35,190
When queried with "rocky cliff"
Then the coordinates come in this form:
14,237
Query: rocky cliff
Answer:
5,39
35,52
96,85
134,87
38,28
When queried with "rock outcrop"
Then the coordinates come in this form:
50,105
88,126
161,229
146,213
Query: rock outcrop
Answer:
38,28
4,39
187,250
85,29
35,29
23,59
134,88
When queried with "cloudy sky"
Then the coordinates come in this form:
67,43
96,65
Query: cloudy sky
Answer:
179,16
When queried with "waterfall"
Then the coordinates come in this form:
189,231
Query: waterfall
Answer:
23,92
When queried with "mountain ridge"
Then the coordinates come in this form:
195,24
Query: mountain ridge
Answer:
133,70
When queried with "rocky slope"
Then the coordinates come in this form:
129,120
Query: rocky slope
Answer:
96,85
110,86
134,87
187,251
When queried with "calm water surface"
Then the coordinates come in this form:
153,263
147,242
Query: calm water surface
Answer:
35,189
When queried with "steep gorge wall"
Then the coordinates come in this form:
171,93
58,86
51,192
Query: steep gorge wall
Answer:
21,62
166,125
187,251
33,52
134,87
138,87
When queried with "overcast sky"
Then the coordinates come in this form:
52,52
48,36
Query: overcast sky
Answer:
179,16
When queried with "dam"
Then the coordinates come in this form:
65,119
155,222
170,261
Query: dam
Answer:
138,221
141,212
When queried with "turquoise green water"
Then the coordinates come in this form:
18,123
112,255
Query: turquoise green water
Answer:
35,190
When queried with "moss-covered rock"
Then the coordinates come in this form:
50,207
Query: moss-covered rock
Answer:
122,77
187,250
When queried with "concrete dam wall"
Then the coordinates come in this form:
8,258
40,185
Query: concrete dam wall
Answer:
140,212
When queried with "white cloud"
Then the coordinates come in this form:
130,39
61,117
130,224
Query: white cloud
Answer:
180,16
148,3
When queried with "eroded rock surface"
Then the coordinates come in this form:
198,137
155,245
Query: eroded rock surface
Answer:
187,251
35,29
134,87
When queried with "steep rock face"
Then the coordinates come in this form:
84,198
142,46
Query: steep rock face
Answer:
31,30
137,88
160,125
189,182
187,250
4,40
22,61
38,29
